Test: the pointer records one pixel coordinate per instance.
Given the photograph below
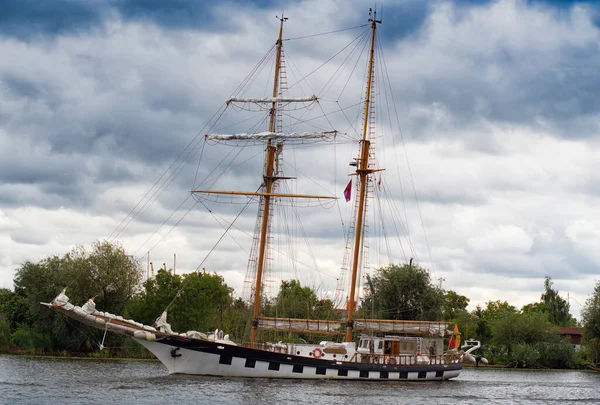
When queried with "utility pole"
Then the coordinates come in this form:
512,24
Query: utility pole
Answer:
441,280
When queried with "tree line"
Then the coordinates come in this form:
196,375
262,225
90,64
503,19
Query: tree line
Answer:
202,301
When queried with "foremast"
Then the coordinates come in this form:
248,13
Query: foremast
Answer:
269,180
362,173
274,144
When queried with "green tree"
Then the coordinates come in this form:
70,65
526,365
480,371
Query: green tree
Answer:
590,315
5,297
4,334
237,320
202,302
514,328
112,274
454,304
324,309
556,354
498,309
486,316
105,272
558,308
467,323
196,301
402,292
14,309
294,301
538,307
156,295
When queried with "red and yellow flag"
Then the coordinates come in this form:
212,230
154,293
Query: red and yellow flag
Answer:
456,336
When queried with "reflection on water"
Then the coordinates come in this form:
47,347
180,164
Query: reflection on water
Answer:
76,381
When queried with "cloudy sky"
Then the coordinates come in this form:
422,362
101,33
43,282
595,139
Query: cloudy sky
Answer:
498,102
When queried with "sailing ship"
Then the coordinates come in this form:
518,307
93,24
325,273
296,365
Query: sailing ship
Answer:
371,349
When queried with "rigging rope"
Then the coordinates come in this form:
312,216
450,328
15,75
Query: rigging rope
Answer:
212,249
160,185
327,33
408,165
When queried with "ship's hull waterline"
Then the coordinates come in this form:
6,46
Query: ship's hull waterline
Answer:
197,357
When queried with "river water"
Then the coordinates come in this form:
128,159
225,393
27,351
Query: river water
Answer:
26,380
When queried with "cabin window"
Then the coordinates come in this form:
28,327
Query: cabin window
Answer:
380,346
422,374
388,347
298,368
274,366
321,370
364,374
250,363
224,359
439,373
343,373
403,375
384,374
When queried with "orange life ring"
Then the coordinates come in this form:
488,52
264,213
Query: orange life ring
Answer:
391,360
317,353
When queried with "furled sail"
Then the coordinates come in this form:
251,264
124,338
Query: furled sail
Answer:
273,100
301,325
363,325
265,136
411,327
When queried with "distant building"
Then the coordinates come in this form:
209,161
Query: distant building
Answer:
574,334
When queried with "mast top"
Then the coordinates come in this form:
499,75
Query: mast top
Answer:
373,17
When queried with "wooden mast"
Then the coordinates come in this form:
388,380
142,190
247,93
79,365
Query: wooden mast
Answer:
362,173
269,179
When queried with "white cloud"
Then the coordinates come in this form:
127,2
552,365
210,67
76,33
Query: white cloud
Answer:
499,105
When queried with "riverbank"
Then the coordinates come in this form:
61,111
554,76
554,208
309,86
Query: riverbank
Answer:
96,355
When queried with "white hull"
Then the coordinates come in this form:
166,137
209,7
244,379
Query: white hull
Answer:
184,354
263,364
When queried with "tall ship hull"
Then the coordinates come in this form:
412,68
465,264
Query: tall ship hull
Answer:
196,353
219,359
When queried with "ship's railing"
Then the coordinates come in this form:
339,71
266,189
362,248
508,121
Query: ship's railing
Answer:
271,347
402,359
408,359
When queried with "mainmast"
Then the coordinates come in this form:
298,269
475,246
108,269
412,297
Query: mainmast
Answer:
362,173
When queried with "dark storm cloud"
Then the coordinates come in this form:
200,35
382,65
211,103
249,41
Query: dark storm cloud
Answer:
21,170
402,19
475,73
30,19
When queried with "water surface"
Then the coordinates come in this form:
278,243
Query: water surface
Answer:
26,380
